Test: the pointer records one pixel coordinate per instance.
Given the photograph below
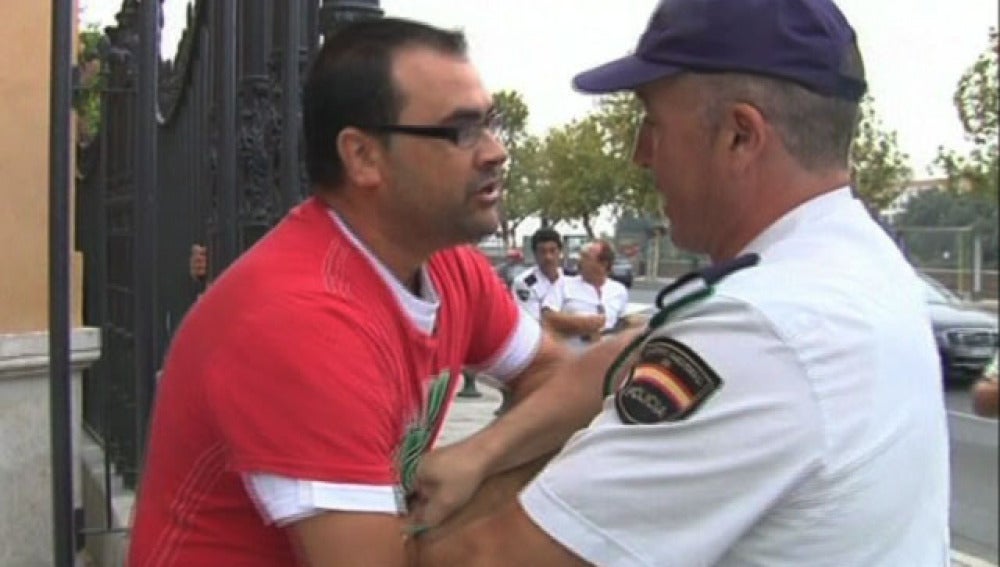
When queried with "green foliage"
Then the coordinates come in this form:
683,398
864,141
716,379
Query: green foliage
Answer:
929,212
577,180
521,178
977,104
523,181
619,117
515,112
879,170
87,102
587,165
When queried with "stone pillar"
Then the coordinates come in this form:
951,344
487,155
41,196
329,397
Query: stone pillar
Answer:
25,456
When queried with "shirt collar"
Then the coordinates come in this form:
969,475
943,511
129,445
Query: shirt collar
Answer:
817,207
428,294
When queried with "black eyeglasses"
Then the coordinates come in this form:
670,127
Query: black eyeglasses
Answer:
464,135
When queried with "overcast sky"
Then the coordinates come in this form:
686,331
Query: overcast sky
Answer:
915,51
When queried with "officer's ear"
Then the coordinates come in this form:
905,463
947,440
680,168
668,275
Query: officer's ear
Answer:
743,134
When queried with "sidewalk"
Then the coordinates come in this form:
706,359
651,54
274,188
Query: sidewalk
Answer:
468,415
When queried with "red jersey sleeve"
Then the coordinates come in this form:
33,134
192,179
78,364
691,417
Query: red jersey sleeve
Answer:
490,307
302,395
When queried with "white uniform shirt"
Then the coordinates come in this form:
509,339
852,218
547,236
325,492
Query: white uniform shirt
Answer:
530,288
571,294
826,443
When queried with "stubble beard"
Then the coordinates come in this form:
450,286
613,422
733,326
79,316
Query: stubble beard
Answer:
473,225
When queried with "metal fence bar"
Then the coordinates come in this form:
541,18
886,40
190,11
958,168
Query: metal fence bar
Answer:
145,258
60,403
290,170
227,129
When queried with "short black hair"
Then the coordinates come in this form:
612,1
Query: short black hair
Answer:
545,234
350,83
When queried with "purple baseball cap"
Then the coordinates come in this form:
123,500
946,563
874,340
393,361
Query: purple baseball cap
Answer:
808,42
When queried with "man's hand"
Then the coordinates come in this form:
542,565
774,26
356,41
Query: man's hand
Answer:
446,479
198,263
441,546
986,397
592,324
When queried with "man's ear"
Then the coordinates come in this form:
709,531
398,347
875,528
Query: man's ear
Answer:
746,131
362,156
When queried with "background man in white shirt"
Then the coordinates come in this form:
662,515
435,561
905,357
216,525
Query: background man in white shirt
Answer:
584,306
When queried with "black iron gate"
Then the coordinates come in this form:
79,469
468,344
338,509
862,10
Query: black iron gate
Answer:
203,149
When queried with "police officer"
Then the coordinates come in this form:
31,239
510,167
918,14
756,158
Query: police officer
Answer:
531,286
785,406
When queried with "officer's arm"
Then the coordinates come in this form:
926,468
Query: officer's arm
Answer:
335,539
505,538
549,407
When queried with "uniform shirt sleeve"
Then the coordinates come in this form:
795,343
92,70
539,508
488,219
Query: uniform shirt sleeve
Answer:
526,296
520,291
309,396
682,492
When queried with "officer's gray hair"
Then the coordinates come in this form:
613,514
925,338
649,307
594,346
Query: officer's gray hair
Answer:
816,130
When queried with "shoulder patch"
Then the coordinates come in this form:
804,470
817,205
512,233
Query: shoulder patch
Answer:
532,279
668,382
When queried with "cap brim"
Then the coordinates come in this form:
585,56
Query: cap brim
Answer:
622,74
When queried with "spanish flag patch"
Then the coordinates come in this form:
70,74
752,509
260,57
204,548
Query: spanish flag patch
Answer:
668,382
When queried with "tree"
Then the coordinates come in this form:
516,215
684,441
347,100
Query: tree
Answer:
588,165
976,102
87,101
619,117
519,178
579,177
879,169
524,181
928,213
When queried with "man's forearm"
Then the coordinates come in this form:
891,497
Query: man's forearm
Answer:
567,324
543,421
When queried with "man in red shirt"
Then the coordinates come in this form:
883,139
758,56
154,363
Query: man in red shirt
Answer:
302,387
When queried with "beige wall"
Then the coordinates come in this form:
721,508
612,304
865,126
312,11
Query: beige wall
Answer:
24,168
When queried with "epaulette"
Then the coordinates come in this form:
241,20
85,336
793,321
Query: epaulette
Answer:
684,291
